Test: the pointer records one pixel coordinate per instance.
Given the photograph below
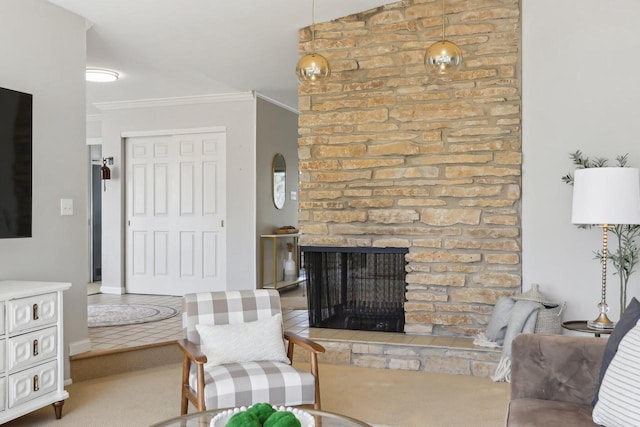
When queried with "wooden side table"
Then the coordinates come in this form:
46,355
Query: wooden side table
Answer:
581,326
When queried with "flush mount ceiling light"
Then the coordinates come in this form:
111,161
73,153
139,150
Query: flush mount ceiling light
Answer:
313,68
101,75
443,58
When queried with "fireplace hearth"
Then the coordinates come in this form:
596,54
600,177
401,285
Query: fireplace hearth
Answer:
356,288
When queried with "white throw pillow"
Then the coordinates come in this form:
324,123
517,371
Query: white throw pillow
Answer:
618,400
261,340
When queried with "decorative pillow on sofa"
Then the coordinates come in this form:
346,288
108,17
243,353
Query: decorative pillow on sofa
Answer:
244,342
618,404
627,321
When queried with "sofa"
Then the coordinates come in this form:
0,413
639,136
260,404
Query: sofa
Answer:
554,379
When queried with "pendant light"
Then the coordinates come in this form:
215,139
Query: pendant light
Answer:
443,58
313,68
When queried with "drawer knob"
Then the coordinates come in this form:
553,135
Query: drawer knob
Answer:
36,386
35,347
36,316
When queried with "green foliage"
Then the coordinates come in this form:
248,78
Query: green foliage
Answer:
625,258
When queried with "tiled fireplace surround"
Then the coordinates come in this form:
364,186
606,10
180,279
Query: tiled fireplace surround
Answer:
392,158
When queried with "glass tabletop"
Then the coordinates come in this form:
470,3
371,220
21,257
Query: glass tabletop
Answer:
203,419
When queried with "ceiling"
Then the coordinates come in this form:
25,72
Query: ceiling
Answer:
170,48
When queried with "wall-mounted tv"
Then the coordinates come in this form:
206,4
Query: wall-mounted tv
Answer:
16,112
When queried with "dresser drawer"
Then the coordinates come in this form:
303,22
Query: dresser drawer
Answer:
31,312
32,348
2,318
32,383
3,393
3,353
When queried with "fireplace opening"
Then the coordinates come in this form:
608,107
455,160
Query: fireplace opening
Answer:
356,288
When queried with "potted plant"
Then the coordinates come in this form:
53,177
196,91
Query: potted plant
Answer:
625,258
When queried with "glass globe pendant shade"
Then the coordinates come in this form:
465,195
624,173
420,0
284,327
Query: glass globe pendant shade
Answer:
312,69
443,58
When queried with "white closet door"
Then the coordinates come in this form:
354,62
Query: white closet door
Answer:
176,207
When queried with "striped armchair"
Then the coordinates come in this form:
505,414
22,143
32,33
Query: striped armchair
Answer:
235,384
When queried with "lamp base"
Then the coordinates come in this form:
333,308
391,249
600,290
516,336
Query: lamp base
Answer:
602,322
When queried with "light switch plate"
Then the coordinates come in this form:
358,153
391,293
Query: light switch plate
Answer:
66,206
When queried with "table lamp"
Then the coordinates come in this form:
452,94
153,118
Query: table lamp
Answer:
604,197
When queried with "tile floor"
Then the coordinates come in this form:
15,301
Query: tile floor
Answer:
295,320
118,337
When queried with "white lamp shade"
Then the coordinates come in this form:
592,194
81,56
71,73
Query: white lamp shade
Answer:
606,196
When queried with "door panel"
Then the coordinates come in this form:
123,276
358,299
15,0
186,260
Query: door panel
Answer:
176,205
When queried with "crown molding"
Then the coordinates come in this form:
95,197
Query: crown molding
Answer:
278,103
175,101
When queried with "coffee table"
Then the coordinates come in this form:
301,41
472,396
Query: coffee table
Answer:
203,419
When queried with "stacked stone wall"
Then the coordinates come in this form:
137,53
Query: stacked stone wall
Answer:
391,158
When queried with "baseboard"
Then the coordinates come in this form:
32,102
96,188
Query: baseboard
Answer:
78,347
97,364
114,290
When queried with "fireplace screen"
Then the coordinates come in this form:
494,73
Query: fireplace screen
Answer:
356,288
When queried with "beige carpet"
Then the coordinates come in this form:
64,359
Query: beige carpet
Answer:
378,396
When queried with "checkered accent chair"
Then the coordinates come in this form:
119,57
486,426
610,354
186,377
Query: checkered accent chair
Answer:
241,384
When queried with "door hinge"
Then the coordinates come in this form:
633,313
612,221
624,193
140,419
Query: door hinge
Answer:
222,223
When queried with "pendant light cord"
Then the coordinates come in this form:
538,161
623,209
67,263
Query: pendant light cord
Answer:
313,25
442,20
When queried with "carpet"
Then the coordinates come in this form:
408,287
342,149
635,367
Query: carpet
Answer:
126,314
383,397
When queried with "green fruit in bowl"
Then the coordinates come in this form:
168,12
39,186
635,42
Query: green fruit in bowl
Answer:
262,411
282,419
244,419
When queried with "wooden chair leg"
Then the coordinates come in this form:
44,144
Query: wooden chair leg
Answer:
184,401
200,386
316,374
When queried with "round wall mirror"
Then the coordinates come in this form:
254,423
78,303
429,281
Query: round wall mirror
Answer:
279,172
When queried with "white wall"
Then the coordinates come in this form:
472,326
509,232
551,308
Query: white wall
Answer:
239,119
276,132
43,53
580,92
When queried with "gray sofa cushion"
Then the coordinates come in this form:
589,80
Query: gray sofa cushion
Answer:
556,367
553,380
548,413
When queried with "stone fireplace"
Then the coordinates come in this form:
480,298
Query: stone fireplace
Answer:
389,158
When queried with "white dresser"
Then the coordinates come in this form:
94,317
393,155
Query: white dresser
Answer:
31,347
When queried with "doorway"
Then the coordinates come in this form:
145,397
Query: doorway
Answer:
95,154
175,213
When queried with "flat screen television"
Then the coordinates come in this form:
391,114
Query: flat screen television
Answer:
16,112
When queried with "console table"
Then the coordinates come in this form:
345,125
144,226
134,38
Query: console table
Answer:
31,348
275,238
